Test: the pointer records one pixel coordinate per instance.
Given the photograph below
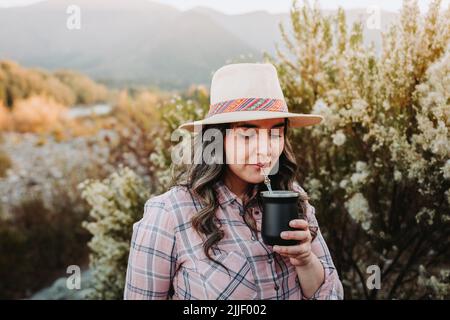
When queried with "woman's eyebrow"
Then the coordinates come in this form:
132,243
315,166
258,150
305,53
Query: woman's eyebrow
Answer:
278,125
248,125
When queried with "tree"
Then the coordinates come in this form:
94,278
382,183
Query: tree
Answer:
378,169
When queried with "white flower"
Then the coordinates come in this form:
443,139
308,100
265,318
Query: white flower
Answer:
343,183
320,107
397,175
313,186
358,109
361,166
361,174
339,138
446,169
365,225
358,208
425,213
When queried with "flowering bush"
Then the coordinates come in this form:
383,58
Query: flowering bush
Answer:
378,168
116,203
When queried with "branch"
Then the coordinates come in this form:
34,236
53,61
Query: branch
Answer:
361,277
406,268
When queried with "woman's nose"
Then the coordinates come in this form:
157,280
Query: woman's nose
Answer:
264,146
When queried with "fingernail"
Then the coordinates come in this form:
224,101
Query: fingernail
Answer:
284,234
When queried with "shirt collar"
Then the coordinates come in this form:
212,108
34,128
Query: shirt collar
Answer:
226,196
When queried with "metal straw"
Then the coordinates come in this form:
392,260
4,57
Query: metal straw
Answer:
267,181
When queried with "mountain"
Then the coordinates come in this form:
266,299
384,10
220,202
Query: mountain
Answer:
136,41
140,42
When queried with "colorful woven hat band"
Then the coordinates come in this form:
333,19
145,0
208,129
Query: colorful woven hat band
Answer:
248,104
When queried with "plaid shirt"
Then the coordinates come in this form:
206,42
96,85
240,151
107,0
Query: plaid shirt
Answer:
167,261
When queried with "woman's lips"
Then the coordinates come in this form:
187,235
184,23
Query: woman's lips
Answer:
262,165
259,165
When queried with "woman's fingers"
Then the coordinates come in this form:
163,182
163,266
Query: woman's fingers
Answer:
299,224
296,235
293,250
302,235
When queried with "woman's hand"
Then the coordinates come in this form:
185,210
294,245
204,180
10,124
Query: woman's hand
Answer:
310,271
300,255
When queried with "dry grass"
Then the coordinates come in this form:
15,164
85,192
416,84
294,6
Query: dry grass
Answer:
43,115
38,114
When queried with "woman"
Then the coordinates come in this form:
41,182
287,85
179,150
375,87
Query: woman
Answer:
201,239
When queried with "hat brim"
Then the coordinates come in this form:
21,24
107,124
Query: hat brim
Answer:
296,120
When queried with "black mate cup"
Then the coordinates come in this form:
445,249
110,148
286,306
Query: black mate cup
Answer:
279,207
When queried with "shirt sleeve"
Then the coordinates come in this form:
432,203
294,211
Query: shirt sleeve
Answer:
152,258
331,288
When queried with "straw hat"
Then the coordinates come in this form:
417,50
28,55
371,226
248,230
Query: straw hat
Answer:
245,92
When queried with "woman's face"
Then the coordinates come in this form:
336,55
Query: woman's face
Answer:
253,146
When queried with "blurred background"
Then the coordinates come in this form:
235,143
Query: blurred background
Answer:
91,91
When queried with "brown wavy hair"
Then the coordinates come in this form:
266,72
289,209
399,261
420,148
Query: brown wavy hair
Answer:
199,178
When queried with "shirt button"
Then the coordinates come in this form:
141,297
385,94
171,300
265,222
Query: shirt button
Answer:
276,287
269,261
253,238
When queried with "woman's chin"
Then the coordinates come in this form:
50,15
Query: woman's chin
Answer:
254,175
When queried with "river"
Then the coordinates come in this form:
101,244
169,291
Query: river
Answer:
79,111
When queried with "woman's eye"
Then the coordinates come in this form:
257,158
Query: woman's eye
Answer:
246,135
276,135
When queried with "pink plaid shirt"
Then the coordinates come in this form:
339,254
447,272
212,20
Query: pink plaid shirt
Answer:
167,261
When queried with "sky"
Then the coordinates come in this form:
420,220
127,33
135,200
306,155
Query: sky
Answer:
273,6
